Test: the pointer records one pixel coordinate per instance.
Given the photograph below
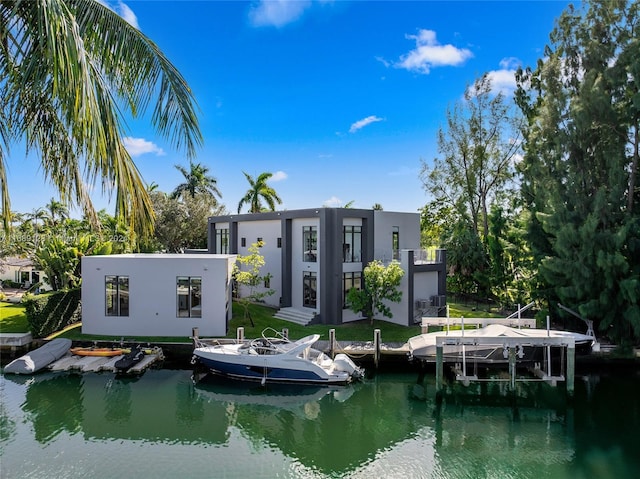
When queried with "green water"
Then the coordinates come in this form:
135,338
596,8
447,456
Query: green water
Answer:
162,425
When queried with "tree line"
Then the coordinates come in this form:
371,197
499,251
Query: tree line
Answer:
536,199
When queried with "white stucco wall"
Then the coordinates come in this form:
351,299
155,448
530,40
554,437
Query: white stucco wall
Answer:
153,294
409,232
269,231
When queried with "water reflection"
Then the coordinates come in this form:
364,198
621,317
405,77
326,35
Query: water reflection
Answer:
387,426
327,429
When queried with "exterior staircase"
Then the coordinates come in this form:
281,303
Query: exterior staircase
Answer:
295,316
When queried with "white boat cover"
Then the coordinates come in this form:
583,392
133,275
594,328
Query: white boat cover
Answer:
39,358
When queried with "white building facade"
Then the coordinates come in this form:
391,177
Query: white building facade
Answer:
22,271
156,294
314,256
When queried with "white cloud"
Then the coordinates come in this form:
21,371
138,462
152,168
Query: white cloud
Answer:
278,176
504,80
333,202
364,122
277,13
140,146
429,54
123,10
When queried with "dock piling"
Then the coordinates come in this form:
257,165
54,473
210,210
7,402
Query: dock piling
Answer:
439,370
332,343
571,368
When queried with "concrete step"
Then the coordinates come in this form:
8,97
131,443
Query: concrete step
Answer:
295,316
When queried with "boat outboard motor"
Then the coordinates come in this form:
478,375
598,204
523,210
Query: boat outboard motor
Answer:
344,363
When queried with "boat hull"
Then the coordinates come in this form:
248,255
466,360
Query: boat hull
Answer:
424,346
270,371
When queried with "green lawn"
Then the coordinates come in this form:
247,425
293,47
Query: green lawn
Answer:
13,319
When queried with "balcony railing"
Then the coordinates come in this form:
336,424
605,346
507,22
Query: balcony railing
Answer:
420,256
431,256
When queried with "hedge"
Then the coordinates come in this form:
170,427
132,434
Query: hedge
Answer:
52,312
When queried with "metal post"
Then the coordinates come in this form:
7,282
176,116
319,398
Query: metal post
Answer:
240,334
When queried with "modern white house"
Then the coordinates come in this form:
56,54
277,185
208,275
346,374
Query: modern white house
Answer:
156,294
22,271
314,256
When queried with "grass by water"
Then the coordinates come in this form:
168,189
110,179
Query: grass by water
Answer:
13,320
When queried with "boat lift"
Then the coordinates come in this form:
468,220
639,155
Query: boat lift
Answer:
596,345
513,347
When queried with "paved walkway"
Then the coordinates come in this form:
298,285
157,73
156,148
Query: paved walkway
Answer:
13,295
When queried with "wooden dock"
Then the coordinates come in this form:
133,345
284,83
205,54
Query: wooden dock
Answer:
72,362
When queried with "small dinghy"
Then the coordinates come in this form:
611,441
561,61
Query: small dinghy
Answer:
39,358
130,359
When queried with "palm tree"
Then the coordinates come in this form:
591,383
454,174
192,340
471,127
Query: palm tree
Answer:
56,211
197,182
153,186
69,69
258,190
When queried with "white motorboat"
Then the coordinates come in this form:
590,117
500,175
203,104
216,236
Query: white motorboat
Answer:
276,359
39,358
423,346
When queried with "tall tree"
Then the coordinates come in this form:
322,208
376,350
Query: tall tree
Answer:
579,171
181,224
68,69
259,190
197,182
380,285
477,152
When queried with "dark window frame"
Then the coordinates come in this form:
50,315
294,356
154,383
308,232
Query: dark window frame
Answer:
310,244
192,305
119,300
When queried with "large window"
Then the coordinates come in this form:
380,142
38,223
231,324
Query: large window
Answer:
309,289
189,290
350,280
116,295
310,244
222,241
351,244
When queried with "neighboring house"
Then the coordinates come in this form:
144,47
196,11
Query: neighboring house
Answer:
314,256
22,271
156,294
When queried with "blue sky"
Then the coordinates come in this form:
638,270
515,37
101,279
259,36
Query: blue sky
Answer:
339,100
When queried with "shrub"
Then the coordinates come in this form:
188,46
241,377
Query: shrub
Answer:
53,312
